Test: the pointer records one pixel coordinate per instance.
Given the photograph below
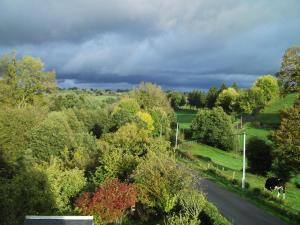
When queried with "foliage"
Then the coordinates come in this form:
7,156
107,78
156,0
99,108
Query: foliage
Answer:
161,122
197,98
214,127
27,193
269,86
146,119
211,97
62,135
287,142
125,112
250,99
160,180
121,150
177,100
64,184
24,81
192,203
150,96
259,155
289,75
15,125
181,219
109,202
227,99
66,101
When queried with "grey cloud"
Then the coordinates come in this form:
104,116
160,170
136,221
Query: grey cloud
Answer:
175,43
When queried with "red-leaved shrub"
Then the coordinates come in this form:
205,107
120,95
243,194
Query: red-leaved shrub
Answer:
109,201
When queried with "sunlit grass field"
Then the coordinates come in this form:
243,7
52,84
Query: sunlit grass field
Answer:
270,115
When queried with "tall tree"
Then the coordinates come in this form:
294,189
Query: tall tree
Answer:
214,127
227,99
211,97
287,143
269,85
289,75
24,81
197,98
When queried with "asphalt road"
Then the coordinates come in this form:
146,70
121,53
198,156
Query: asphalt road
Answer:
236,209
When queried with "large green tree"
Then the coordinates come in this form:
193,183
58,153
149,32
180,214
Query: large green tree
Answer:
227,99
269,85
214,127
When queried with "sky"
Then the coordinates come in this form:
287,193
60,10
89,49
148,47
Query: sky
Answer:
177,44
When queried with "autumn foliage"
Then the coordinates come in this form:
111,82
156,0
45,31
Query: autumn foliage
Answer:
109,201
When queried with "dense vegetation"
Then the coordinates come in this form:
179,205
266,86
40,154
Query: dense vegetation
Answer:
75,152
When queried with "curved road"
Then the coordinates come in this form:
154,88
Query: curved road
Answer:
234,208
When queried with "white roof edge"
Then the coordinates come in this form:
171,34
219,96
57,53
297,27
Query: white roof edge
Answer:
59,217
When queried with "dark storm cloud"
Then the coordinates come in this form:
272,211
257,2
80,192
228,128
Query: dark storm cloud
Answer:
175,43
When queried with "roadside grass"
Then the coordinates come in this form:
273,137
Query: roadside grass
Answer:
225,168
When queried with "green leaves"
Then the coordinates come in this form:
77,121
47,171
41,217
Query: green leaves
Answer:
214,127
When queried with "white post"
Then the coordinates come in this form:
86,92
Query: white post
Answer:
244,162
176,136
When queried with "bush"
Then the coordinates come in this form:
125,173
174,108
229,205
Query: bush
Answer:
215,128
180,219
259,155
192,203
109,202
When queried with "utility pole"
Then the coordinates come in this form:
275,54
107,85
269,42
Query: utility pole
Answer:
244,161
176,136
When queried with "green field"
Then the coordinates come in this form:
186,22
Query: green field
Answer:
185,117
270,115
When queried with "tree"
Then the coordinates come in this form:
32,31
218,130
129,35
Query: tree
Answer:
287,143
250,99
197,98
289,75
214,127
65,184
109,201
24,81
15,127
227,99
259,156
176,100
235,86
125,112
211,97
160,181
269,86
222,88
149,95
